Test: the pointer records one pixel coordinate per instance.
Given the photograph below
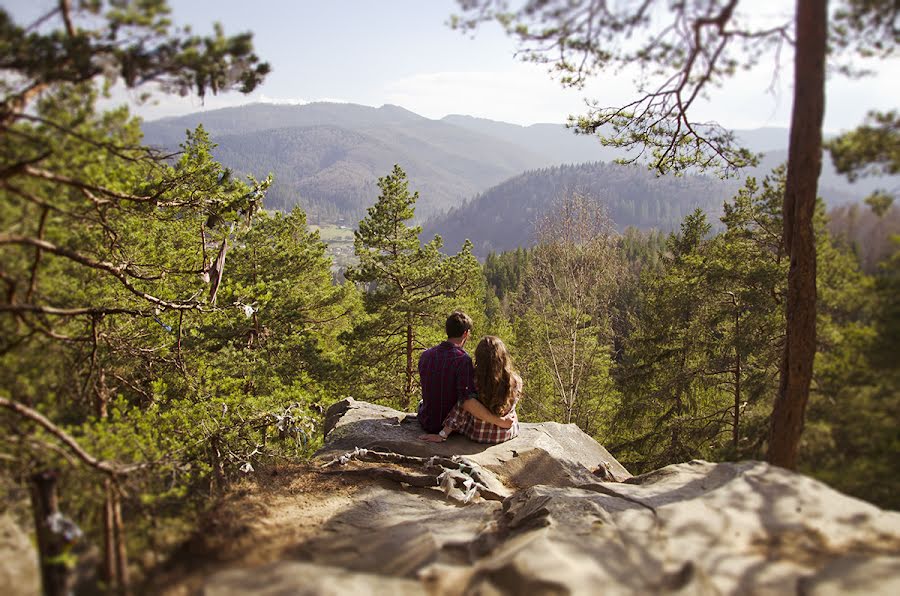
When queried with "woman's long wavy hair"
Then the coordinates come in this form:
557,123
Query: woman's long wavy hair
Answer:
494,375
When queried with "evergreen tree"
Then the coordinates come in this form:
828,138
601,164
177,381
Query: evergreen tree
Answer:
409,289
102,244
699,366
684,49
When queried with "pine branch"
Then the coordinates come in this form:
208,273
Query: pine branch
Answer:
107,467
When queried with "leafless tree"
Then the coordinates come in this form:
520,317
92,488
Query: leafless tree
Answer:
570,284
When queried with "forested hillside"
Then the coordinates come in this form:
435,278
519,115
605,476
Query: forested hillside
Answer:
503,217
326,157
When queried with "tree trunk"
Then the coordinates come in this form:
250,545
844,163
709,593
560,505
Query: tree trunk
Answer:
109,536
217,482
407,393
102,396
115,555
111,544
51,546
804,165
736,432
121,551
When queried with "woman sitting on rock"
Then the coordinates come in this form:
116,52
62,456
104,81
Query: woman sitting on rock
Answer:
499,388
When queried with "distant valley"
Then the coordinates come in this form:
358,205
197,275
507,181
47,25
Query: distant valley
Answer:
472,174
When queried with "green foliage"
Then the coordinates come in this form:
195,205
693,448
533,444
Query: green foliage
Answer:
112,334
410,289
151,315
855,407
643,250
871,149
698,371
504,272
711,317
868,27
136,43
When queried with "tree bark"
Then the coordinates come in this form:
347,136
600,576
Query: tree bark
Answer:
121,549
407,394
217,480
109,536
804,165
44,503
736,432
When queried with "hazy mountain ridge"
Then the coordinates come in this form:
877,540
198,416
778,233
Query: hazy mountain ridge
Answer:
771,142
553,139
334,170
327,157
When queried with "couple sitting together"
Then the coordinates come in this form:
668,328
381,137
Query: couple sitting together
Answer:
476,401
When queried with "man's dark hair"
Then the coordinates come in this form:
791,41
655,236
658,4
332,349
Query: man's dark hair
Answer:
457,323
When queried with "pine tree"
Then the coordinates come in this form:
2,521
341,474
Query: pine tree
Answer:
409,287
699,367
101,245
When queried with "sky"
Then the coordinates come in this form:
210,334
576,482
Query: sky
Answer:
402,52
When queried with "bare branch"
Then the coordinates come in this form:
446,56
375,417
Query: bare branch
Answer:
72,312
65,8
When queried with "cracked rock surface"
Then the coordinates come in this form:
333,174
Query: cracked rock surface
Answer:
691,528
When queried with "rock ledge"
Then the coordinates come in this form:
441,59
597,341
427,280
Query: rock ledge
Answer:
696,527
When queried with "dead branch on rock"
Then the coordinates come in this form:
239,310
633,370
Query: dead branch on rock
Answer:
459,478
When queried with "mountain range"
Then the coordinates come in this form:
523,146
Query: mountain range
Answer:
327,157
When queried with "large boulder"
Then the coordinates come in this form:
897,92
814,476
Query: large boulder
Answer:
543,453
691,528
19,573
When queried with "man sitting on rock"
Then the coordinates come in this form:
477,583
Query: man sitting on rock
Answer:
448,378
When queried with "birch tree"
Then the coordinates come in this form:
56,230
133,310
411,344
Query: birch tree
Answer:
569,287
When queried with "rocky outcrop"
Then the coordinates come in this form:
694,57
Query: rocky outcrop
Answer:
19,573
543,520
544,453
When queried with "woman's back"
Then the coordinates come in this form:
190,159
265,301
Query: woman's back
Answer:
482,431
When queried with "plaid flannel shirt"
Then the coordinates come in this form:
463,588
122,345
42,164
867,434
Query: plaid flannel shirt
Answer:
479,430
448,378
484,432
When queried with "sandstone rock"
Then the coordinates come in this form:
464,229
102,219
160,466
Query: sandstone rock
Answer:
19,573
543,453
306,579
399,532
855,574
732,528
692,528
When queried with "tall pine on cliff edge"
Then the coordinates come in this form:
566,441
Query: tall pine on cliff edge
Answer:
409,289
